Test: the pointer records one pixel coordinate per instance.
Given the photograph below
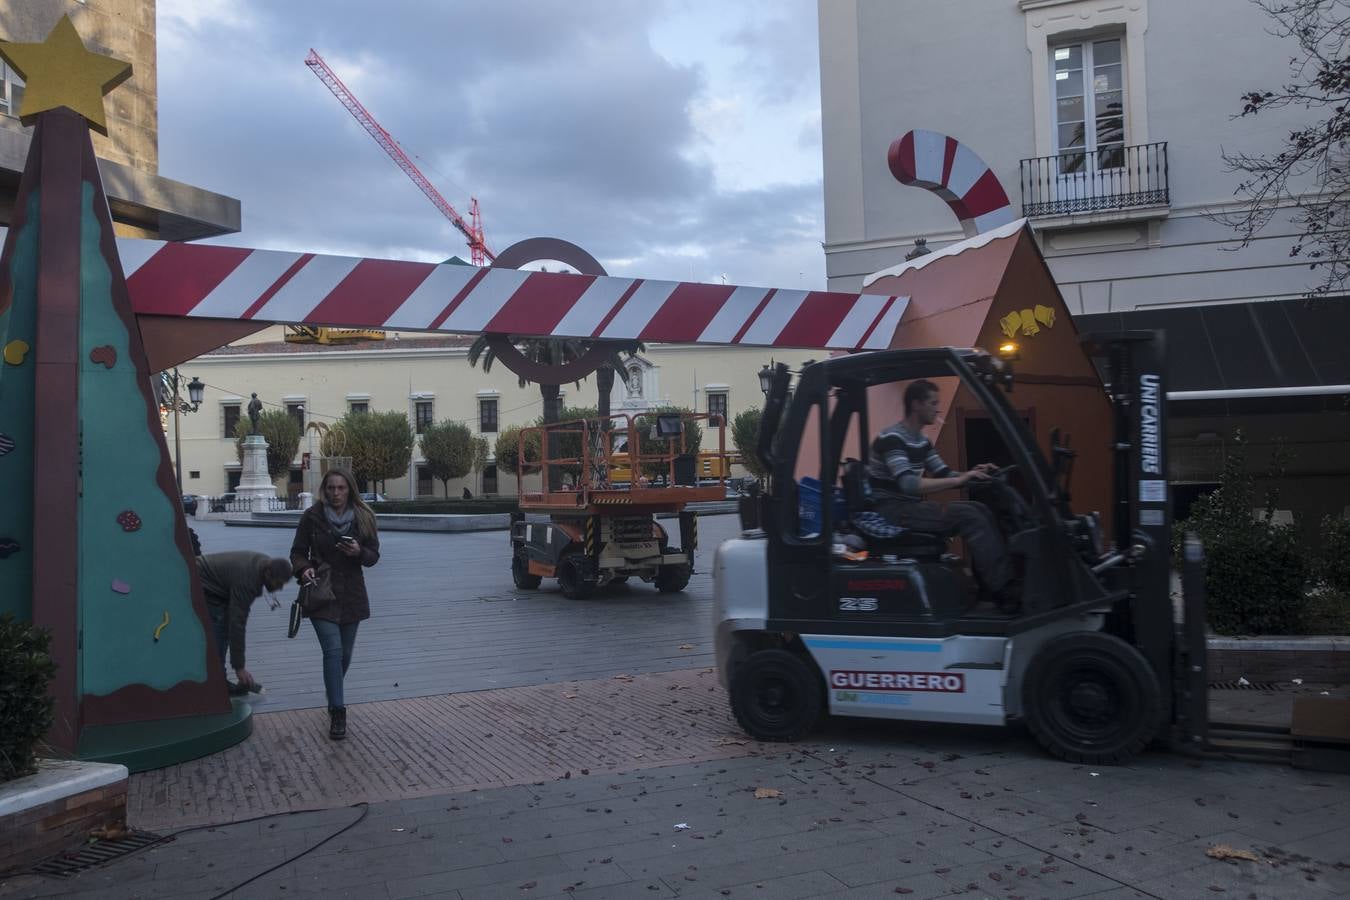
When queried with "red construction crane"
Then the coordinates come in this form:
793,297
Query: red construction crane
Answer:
473,229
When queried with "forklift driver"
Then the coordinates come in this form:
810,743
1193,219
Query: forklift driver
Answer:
902,467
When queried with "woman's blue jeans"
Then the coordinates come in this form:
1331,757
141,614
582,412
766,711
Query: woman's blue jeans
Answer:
336,641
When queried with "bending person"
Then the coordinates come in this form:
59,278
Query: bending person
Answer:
903,467
231,581
338,532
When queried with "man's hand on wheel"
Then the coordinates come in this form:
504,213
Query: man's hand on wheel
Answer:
244,678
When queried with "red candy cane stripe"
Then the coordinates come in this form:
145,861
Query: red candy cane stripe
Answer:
216,282
950,169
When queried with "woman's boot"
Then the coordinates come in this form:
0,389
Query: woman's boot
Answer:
337,722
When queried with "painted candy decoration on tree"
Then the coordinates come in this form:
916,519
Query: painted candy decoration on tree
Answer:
950,169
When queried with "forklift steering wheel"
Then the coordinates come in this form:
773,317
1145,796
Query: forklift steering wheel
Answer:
1003,473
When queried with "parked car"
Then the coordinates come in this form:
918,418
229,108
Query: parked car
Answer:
223,502
189,504
373,497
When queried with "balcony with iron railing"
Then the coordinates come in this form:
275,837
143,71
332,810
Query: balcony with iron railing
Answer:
1125,180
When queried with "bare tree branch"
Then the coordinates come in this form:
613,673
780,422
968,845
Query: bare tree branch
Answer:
1320,80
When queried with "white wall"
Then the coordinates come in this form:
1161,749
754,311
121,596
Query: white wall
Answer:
968,68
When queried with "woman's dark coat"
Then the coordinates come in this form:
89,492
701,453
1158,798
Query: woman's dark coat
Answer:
316,542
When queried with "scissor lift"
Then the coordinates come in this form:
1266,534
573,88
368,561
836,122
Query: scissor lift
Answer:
601,532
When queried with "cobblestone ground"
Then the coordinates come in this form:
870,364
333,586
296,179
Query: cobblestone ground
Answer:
515,744
864,809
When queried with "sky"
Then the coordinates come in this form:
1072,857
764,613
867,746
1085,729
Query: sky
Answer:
673,139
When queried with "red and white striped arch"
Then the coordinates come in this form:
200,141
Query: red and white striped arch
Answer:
198,280
950,169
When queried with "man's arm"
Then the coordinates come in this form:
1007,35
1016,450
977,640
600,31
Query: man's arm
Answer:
959,479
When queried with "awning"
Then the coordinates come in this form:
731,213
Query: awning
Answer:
1293,351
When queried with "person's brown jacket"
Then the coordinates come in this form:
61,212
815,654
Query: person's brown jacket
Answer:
316,542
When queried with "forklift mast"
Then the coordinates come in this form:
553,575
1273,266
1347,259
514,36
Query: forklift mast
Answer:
1134,368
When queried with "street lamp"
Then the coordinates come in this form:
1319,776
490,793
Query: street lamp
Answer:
196,389
765,379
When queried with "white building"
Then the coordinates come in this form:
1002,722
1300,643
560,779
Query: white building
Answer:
429,378
1104,121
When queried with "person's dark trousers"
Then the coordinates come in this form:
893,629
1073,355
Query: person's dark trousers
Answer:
968,518
337,642
220,621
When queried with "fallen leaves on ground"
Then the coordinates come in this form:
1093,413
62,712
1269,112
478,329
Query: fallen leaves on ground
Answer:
1223,851
767,793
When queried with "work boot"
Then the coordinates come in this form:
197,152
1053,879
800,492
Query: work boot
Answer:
337,722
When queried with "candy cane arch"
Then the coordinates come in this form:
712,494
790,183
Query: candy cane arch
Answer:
239,284
950,169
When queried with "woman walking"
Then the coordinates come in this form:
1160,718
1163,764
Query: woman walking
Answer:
335,539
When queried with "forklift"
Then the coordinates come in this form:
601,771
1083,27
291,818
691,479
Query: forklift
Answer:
590,530
815,615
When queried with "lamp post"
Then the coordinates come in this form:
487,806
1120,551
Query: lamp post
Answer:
196,389
765,379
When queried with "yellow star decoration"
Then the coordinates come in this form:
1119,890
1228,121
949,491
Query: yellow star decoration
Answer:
60,71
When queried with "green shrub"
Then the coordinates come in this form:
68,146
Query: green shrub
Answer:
1331,561
26,710
745,437
1256,572
1255,582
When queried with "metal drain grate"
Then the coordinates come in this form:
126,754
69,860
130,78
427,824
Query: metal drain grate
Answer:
95,854
1249,686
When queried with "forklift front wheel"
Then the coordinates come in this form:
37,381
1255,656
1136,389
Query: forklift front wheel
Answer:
776,695
572,577
1091,698
520,573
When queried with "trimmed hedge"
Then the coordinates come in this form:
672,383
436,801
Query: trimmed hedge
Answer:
439,506
26,668
1256,571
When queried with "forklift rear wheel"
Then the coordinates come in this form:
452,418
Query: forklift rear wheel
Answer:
572,580
1091,698
520,573
672,578
776,695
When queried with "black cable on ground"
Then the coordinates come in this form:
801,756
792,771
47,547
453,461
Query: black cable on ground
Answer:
365,808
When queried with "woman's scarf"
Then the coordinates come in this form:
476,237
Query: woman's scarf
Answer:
341,522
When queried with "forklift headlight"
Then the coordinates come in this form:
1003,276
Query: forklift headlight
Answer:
1009,350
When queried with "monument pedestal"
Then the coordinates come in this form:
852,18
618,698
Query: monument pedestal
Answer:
254,483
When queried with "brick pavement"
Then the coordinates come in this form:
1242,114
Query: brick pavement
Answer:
451,742
864,809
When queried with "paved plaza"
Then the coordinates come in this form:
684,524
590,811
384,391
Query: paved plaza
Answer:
517,744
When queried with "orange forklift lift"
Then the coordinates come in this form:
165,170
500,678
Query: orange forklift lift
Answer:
600,531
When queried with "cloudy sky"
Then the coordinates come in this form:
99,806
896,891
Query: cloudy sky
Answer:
673,139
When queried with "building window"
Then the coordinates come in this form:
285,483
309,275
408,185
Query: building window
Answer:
487,415
490,478
297,412
232,477
231,411
717,406
425,485
422,415
358,407
11,91
1088,108
194,473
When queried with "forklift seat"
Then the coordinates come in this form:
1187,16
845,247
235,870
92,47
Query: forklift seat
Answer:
882,536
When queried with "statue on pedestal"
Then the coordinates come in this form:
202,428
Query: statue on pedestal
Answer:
254,410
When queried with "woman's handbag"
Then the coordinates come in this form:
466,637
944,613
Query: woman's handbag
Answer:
313,593
297,613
